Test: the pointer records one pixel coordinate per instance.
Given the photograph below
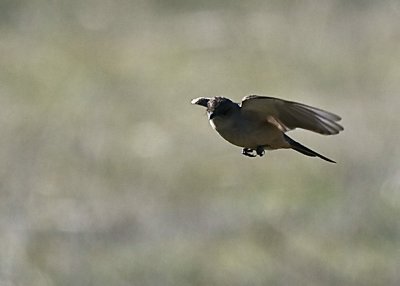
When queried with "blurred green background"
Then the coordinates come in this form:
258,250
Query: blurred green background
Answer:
110,177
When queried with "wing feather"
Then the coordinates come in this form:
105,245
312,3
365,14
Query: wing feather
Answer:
290,115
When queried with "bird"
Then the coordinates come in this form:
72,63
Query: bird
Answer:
260,123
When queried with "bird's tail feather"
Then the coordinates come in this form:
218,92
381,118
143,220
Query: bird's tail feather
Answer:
304,150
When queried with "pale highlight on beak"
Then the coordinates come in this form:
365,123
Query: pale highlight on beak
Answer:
200,101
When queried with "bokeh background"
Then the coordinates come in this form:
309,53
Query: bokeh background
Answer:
108,176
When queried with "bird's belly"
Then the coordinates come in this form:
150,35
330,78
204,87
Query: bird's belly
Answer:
253,137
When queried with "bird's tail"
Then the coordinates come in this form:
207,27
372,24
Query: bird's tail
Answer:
304,150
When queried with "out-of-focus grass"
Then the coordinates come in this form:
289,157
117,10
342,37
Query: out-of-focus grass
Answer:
110,177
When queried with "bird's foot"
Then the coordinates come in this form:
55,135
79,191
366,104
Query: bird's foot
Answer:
260,151
248,152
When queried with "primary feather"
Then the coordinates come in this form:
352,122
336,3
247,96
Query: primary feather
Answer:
287,115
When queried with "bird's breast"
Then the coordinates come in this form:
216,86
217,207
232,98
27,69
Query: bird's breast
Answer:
247,133
213,124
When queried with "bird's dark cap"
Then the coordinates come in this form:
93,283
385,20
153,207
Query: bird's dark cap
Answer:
216,102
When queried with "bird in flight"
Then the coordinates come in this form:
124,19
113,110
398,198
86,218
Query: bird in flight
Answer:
259,123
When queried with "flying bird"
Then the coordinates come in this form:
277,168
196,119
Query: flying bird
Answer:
259,123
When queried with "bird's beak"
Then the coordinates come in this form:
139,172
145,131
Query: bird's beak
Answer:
211,115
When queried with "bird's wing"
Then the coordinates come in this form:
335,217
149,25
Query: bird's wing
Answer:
201,101
287,115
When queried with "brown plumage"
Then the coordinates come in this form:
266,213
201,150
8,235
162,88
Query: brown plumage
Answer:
260,122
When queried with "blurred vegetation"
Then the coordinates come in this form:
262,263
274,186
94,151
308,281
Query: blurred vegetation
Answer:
110,177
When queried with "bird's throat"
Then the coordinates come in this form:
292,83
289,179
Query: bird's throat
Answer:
212,124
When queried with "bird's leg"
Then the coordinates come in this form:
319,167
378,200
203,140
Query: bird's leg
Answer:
248,152
260,151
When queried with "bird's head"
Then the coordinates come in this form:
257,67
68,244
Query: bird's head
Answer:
217,107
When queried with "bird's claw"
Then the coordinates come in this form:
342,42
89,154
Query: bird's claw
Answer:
248,152
260,151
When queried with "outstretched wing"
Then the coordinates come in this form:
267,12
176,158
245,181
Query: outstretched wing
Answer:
287,115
